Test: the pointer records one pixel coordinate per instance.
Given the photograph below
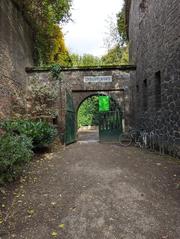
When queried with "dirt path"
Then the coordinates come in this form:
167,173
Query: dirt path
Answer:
88,135
95,191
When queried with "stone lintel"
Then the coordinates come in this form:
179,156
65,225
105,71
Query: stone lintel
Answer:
87,68
76,91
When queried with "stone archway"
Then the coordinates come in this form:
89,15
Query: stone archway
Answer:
81,96
92,132
83,82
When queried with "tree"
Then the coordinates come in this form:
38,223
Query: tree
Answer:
113,56
121,26
89,109
87,114
85,60
112,38
44,17
58,52
125,55
116,41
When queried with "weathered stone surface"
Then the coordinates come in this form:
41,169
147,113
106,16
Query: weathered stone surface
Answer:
42,96
15,55
154,36
73,82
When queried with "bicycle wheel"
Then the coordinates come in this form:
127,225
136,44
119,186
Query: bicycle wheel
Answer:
125,140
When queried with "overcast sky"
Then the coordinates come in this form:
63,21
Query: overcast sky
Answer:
87,32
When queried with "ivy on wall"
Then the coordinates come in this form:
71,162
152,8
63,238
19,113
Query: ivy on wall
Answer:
44,17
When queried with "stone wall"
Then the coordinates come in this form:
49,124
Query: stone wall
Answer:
117,89
154,39
15,54
72,80
42,96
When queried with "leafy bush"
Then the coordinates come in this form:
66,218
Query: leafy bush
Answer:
15,152
41,133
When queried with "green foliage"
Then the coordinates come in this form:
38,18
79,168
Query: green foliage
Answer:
56,70
16,144
50,47
15,152
116,56
58,51
85,60
113,56
89,109
125,55
88,112
43,12
44,17
41,133
117,41
121,24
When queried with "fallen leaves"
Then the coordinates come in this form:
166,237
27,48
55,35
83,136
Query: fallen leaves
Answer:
30,212
23,179
164,237
158,164
53,203
2,191
54,234
61,226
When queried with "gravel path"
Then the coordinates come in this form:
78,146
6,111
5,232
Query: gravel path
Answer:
95,191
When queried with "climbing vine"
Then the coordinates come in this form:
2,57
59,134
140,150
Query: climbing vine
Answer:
44,16
56,71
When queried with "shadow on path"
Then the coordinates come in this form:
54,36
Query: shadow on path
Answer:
96,191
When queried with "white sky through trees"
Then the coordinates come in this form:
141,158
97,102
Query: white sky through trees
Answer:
86,33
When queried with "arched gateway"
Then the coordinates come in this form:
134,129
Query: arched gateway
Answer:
79,83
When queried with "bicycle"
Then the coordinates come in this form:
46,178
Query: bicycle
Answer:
132,136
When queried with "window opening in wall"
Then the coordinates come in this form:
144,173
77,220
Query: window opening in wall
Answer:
145,95
158,90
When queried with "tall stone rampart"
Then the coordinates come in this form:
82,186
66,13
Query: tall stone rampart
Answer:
15,54
154,40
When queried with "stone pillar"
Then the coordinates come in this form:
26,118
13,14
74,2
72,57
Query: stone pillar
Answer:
62,112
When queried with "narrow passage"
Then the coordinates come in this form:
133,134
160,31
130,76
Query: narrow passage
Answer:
97,191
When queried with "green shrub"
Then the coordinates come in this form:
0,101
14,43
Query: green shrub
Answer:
41,133
15,152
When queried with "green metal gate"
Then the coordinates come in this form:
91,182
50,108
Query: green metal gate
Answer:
70,133
110,126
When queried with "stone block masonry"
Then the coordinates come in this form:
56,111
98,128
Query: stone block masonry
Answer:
15,54
112,81
154,39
